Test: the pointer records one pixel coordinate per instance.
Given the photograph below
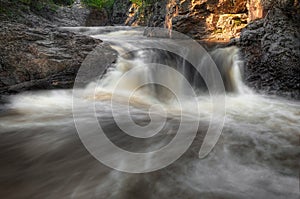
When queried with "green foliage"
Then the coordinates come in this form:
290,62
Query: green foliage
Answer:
143,2
99,4
237,21
137,2
143,11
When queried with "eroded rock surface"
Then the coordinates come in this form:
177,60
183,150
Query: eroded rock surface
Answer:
77,15
36,54
271,50
200,19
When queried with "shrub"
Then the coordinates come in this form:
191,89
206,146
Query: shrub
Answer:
143,2
99,4
137,2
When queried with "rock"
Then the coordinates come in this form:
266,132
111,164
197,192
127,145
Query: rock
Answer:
77,15
196,18
271,50
74,15
163,33
98,18
217,20
121,11
42,57
255,9
36,54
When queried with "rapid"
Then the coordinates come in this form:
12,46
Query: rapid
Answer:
256,155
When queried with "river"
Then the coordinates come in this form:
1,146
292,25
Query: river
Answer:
256,156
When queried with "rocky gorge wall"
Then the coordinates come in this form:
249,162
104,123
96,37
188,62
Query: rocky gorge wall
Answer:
80,15
270,48
200,19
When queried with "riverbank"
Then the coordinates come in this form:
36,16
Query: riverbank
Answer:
36,54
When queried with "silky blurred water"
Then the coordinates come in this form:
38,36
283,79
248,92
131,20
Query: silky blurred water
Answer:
41,155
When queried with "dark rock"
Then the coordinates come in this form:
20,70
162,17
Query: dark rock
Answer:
271,50
121,9
36,54
77,15
98,18
42,57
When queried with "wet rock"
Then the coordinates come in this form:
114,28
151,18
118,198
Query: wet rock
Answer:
43,57
271,49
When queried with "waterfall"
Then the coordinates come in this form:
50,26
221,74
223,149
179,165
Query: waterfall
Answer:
142,56
226,59
231,67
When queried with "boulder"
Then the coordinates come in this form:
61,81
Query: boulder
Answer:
271,51
43,57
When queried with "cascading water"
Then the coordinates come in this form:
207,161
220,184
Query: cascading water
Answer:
255,157
227,61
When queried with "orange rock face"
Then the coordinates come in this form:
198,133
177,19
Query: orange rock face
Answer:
255,10
218,20
208,19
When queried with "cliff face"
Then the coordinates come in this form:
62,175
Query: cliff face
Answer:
121,9
220,20
79,15
200,19
271,51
